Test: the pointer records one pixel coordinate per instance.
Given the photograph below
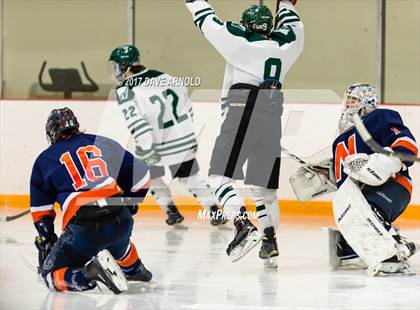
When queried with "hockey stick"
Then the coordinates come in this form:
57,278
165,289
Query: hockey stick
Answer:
375,146
295,157
14,217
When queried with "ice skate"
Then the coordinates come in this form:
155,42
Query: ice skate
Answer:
393,266
246,237
175,218
103,268
411,247
269,250
217,217
142,274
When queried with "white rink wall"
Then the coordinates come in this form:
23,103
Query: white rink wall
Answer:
308,131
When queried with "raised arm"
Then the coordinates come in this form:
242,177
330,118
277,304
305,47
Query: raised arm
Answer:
218,33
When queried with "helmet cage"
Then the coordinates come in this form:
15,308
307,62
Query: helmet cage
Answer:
360,98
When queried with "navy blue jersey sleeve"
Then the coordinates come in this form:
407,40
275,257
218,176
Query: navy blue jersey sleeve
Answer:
42,198
393,133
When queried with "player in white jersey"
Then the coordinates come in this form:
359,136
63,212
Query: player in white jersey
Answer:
258,58
159,117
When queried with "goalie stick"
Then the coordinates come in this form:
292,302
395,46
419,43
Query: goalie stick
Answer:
375,146
14,217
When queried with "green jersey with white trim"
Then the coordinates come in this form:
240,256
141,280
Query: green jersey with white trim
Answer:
159,115
252,57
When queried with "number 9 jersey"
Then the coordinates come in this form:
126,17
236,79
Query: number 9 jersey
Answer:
252,57
159,115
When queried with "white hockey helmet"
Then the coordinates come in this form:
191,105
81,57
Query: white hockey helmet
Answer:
359,98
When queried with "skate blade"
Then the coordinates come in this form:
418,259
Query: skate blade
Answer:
247,245
180,226
111,267
271,263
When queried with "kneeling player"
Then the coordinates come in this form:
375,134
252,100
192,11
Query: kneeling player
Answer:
98,185
373,189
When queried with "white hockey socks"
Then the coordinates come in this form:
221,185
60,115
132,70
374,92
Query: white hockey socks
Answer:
229,198
267,206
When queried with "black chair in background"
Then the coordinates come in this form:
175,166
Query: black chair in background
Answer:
67,80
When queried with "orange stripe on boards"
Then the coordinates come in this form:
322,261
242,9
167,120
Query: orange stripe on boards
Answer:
15,201
287,207
58,276
130,258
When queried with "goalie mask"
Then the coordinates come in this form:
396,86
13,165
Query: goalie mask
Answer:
258,18
122,59
60,124
359,98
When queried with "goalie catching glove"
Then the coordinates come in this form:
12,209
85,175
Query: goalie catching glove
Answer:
374,169
313,180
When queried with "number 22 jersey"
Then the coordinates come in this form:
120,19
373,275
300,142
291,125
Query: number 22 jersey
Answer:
158,115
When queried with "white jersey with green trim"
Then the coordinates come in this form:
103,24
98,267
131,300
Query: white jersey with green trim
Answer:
158,114
251,57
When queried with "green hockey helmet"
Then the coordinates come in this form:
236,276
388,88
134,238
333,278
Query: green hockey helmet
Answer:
258,18
122,58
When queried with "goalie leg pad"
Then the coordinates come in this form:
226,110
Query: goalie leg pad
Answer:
361,228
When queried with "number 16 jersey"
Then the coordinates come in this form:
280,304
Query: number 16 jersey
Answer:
159,115
80,170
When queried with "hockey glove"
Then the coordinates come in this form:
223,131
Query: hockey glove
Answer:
374,169
150,157
308,183
44,248
325,167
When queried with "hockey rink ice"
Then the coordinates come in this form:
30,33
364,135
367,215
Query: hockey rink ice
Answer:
192,271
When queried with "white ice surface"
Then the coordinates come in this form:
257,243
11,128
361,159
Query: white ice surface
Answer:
192,271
